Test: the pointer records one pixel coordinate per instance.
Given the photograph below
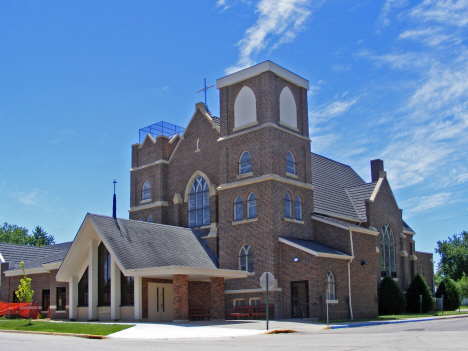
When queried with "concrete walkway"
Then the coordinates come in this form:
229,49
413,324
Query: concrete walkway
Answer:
212,329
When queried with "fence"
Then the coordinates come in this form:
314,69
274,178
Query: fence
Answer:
20,309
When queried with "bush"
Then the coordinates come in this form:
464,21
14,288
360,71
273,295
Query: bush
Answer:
449,289
391,298
40,316
418,287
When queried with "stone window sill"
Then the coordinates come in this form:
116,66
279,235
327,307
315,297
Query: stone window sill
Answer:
291,175
395,279
197,150
145,201
293,220
245,126
208,226
250,220
245,175
288,126
251,273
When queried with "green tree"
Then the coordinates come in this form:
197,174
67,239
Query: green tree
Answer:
417,288
463,286
12,234
40,237
24,289
391,298
454,256
449,289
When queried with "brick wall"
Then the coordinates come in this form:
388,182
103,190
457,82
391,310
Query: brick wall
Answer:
425,265
54,284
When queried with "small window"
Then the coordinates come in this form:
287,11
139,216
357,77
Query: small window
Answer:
287,206
140,219
331,286
246,259
238,209
61,299
298,208
146,191
15,298
238,302
45,300
198,144
245,163
290,163
83,289
150,219
252,206
254,301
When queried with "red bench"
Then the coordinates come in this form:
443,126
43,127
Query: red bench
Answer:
198,313
241,312
260,312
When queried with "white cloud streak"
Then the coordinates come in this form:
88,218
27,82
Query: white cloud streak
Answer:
279,21
425,203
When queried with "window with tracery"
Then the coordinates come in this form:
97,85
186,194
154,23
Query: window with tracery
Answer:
246,259
298,208
287,206
387,252
331,286
252,206
245,163
199,203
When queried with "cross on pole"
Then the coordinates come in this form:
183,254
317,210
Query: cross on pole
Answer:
115,182
205,89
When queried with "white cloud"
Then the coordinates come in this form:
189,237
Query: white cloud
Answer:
424,203
430,36
451,12
330,110
388,7
322,142
278,22
28,198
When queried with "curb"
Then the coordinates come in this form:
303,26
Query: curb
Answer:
86,336
281,331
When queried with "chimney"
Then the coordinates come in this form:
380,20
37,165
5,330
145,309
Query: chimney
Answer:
376,168
114,207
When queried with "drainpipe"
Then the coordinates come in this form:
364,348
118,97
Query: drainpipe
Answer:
349,272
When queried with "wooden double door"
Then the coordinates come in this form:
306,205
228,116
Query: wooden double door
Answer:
160,302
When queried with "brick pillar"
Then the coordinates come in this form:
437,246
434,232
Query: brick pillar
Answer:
180,282
217,298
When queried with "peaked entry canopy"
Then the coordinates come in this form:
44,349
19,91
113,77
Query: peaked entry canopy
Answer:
144,249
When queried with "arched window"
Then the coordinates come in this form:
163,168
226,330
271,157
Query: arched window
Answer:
290,163
287,206
238,209
199,203
246,259
387,252
150,219
245,108
245,163
331,286
140,219
288,110
298,208
252,206
146,191
104,276
198,144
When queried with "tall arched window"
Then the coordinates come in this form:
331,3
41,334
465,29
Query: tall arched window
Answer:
290,163
298,208
331,286
104,276
199,203
245,108
245,163
150,219
387,252
140,219
238,209
146,191
287,206
252,206
246,259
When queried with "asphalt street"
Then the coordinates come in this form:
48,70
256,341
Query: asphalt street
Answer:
449,334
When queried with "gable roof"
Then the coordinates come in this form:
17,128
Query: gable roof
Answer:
14,254
314,248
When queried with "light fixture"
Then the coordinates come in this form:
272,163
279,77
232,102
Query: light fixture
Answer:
296,259
364,263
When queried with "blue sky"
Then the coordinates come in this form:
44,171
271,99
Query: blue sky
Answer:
389,80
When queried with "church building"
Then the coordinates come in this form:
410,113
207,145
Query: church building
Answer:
215,205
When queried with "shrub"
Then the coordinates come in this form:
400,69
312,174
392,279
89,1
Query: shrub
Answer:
449,289
418,287
391,298
40,316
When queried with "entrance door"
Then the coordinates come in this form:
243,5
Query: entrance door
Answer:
299,293
160,302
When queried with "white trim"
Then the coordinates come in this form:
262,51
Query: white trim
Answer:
288,126
208,272
292,175
177,199
145,201
264,178
377,250
403,253
2,260
292,220
19,272
265,125
247,291
259,69
244,221
211,187
315,253
253,299
144,207
146,137
413,257
245,126
245,175
410,232
331,301
149,165
52,265
354,229
402,235
376,189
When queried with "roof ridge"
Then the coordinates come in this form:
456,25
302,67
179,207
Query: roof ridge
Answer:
341,163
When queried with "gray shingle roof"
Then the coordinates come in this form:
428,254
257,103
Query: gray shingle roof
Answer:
338,221
138,244
14,254
406,226
315,246
358,195
216,120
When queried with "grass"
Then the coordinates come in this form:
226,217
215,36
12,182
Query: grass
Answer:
400,316
62,327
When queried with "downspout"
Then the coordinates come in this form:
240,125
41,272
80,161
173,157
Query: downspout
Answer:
349,272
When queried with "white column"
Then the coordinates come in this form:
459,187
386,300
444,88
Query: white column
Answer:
93,280
115,290
73,297
138,298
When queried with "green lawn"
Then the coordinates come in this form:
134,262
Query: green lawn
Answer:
62,327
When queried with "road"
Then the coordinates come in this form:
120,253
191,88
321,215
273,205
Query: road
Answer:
451,334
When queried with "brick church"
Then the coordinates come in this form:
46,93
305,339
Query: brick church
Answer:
215,205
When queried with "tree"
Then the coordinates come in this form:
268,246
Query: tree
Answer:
449,289
24,290
454,256
41,238
463,286
391,298
417,288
